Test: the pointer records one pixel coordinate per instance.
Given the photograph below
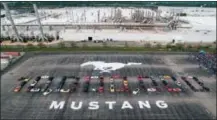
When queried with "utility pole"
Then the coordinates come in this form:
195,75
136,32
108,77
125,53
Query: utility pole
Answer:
8,14
39,22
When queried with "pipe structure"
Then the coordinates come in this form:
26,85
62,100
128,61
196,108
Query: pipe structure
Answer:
105,24
8,14
39,23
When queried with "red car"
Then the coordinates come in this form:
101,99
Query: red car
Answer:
87,78
174,89
115,76
146,76
126,89
139,77
17,89
177,90
101,79
170,89
101,89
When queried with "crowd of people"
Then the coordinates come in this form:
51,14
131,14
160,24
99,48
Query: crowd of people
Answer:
206,60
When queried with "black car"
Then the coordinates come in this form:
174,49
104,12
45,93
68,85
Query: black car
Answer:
77,78
32,85
173,78
206,89
86,87
154,83
62,82
21,78
164,83
101,84
47,84
38,78
73,87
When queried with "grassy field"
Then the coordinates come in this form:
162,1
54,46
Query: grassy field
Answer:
106,48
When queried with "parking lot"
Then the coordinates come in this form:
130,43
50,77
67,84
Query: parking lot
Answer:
185,104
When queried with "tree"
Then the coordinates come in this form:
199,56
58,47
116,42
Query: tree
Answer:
30,45
61,45
73,44
41,45
168,46
147,45
84,45
126,45
158,45
189,46
104,44
179,46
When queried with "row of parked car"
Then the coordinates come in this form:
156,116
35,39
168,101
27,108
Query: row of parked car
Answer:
166,80
203,87
207,60
45,87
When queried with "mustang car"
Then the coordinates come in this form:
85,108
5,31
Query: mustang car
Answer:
32,85
139,78
47,84
86,87
48,91
111,80
35,90
112,88
101,89
20,86
151,89
178,83
166,77
62,82
174,78
136,91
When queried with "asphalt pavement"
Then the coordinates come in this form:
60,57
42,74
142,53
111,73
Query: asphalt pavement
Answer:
184,105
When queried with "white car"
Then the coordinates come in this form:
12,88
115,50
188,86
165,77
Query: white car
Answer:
35,90
151,90
136,91
62,90
94,89
94,77
161,78
178,83
47,92
190,77
44,76
111,80
33,83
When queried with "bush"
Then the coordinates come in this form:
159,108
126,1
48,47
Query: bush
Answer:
189,47
168,46
61,45
104,44
159,45
182,14
207,46
126,45
73,44
41,45
147,45
179,46
84,45
30,45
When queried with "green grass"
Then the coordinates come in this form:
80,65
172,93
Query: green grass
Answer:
98,48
